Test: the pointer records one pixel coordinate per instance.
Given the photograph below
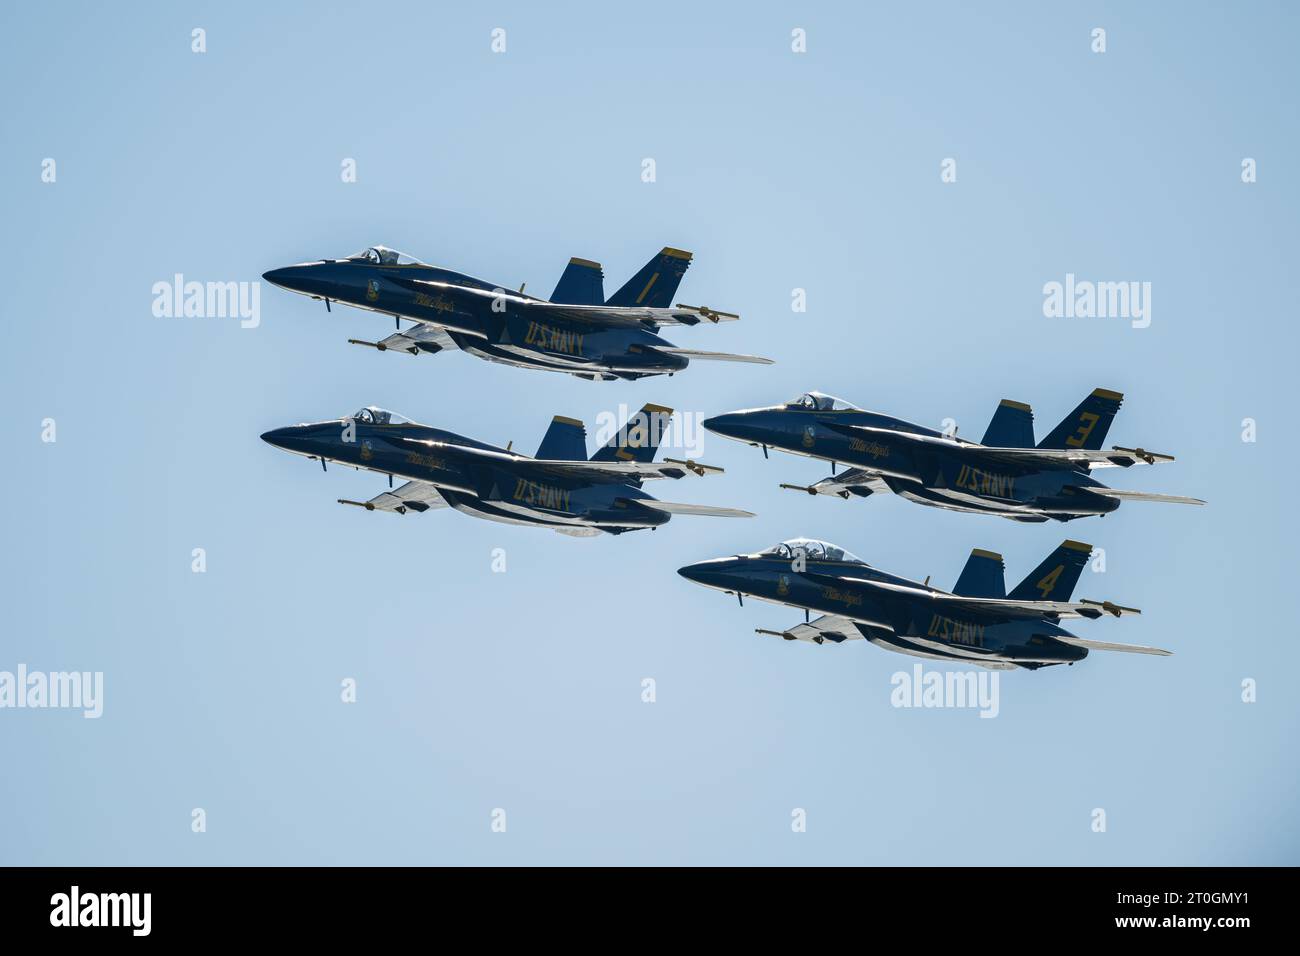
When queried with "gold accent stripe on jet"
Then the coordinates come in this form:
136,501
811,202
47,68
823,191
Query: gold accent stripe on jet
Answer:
657,408
1107,393
981,553
575,261
647,288
568,421
1012,404
1077,546
675,253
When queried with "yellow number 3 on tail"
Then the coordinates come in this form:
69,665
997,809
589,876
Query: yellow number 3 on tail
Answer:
1086,423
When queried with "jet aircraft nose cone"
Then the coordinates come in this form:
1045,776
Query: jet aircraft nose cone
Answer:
279,437
711,573
293,278
737,425
309,278
690,572
720,424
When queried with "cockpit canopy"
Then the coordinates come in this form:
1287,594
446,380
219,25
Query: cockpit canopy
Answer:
821,402
383,256
371,415
813,550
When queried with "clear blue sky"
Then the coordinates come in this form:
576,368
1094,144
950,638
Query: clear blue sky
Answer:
522,690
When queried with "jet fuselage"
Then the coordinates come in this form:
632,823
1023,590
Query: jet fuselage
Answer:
483,319
923,473
898,622
518,492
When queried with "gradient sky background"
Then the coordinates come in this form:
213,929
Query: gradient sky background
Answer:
522,690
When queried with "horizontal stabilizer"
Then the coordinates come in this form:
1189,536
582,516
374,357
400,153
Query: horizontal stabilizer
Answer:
1123,495
1110,607
698,467
1107,646
715,356
710,315
676,508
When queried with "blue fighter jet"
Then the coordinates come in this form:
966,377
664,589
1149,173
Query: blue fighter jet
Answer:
978,622
1006,474
578,331
560,488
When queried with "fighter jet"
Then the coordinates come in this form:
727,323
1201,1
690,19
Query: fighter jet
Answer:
560,489
1006,474
578,331
978,622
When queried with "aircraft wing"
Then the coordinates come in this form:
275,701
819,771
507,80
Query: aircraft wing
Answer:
1009,607
1124,495
828,627
604,316
677,508
714,356
1028,457
956,652
607,470
635,315
579,532
417,496
854,481
1107,646
417,339
1090,458
588,470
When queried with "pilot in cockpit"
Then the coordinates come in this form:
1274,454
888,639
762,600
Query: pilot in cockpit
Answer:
812,549
821,402
383,256
372,415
